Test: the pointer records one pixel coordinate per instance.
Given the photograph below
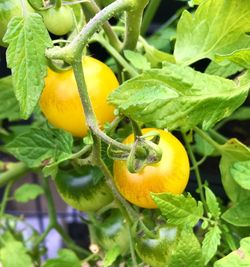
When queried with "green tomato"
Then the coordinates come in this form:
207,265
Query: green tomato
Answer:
8,10
111,230
157,251
58,21
85,192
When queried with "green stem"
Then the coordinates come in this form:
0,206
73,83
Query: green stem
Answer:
88,109
53,219
113,39
219,137
43,235
133,24
58,4
80,153
197,171
5,198
129,68
89,258
110,182
69,242
149,15
50,202
136,128
207,138
131,246
74,50
16,171
203,159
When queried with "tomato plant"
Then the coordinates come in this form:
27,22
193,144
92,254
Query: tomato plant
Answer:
170,174
60,100
147,198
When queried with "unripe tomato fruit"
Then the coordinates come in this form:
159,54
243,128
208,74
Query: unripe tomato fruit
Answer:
170,174
157,252
60,100
111,231
85,191
58,21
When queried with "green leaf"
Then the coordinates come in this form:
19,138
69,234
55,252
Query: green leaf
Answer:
8,104
212,203
239,257
65,258
202,146
27,192
14,254
239,57
178,209
241,114
111,255
154,97
38,147
137,60
240,172
232,152
161,39
157,57
187,251
217,27
28,38
210,243
225,70
238,215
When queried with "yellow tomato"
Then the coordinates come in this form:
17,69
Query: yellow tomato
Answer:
170,174
60,101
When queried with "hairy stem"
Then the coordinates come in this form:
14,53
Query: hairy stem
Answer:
16,171
207,138
113,39
133,24
74,50
130,69
197,172
5,198
149,15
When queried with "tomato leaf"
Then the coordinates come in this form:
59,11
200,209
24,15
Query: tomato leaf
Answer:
187,251
65,258
240,57
28,192
217,27
233,151
212,203
238,215
210,243
178,209
28,39
38,147
239,257
8,104
137,60
14,254
155,96
111,255
225,70
240,172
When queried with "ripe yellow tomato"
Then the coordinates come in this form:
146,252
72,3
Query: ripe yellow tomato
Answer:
170,174
60,101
